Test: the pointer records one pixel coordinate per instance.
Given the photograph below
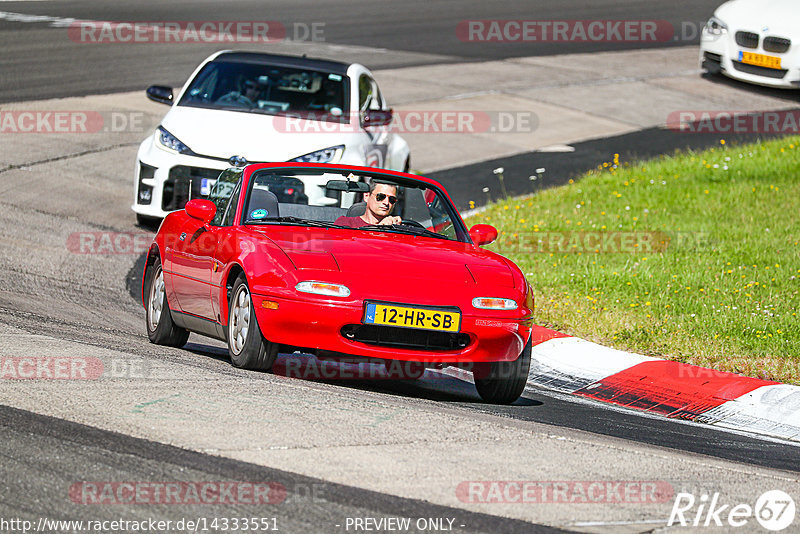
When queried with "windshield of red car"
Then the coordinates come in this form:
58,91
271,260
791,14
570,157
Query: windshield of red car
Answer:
326,198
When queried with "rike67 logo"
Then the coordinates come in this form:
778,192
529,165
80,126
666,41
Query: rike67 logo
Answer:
774,510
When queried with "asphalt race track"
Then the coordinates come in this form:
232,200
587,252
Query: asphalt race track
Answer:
71,448
36,56
336,450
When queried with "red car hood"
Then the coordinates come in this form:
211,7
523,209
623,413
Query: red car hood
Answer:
402,257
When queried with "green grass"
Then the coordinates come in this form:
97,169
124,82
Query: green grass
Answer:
719,285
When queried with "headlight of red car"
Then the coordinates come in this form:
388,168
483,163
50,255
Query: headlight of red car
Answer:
493,303
323,288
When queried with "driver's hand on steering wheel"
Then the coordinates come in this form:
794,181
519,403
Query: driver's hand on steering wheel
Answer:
389,220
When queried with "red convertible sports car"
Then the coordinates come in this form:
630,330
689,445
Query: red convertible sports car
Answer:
272,274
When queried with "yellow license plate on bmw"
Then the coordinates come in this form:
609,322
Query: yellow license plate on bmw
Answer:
760,60
409,316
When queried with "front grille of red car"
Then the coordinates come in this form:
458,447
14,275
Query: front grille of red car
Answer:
405,338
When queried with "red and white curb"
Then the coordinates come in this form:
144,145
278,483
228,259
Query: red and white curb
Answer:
661,387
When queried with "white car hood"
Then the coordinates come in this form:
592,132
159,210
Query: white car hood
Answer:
780,17
221,133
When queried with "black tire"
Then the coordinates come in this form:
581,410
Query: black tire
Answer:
247,347
161,329
504,382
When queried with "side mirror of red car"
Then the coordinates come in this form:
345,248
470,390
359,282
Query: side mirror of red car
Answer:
200,208
483,234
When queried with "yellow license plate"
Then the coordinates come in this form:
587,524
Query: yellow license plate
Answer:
424,318
760,60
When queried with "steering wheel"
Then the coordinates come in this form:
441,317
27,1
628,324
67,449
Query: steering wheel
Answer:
236,98
409,222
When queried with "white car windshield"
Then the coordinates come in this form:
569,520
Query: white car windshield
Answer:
252,87
279,196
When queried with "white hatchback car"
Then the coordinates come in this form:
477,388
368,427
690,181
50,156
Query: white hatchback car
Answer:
754,41
248,107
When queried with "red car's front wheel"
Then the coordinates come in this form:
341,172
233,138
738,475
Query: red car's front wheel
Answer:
161,329
246,345
503,382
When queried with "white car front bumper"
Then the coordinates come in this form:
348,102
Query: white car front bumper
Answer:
721,53
166,180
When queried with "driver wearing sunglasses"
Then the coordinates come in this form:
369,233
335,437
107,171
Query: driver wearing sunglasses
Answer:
380,201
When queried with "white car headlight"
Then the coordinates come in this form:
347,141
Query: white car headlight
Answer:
494,303
323,288
326,155
716,26
170,142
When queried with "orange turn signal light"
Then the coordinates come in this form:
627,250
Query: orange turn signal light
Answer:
269,304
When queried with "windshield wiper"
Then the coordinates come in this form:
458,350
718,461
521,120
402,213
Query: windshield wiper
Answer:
404,229
295,220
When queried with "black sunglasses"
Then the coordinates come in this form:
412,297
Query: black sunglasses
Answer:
381,196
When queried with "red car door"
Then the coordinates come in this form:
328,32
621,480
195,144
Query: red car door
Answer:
192,264
224,255
193,261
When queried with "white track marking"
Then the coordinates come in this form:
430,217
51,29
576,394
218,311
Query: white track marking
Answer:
772,410
55,22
